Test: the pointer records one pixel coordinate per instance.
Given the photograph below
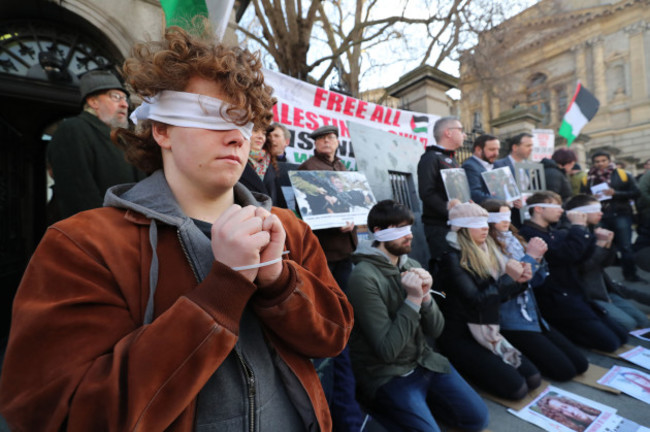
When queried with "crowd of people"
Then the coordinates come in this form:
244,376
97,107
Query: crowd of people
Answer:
194,300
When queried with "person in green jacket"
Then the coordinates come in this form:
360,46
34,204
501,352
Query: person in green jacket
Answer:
84,160
406,384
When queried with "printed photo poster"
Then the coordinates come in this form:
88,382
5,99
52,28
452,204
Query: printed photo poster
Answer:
641,333
543,144
501,184
557,410
620,424
328,199
456,184
303,107
640,356
630,381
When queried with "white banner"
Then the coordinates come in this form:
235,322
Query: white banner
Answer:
303,107
543,144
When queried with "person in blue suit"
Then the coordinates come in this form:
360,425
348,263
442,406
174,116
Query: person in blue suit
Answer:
520,148
486,150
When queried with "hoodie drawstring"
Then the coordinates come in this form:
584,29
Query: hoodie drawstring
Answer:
153,271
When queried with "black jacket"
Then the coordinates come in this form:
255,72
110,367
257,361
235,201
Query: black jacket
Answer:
556,179
471,298
430,186
625,189
562,293
85,163
270,186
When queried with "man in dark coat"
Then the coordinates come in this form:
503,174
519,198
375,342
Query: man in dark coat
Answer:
620,189
338,245
84,160
449,135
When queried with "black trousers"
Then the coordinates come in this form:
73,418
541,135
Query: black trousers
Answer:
554,355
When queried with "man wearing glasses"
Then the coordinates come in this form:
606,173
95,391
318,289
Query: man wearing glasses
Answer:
83,159
449,135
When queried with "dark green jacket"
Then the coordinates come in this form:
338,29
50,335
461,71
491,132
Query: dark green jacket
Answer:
85,163
389,335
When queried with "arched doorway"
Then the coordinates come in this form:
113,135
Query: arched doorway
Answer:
41,61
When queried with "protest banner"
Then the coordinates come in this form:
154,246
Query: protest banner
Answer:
303,107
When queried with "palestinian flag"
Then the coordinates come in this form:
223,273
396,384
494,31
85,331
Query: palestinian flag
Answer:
581,110
419,123
181,12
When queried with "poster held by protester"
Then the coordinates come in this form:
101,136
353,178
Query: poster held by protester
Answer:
328,199
641,333
501,184
456,184
543,144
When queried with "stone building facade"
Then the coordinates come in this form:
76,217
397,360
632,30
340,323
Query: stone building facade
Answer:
532,62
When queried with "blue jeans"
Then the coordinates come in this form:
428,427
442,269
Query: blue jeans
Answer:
624,312
621,225
409,403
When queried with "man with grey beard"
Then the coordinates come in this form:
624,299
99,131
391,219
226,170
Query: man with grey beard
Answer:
83,159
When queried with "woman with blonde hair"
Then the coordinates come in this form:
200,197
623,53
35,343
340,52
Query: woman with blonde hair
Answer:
520,319
477,277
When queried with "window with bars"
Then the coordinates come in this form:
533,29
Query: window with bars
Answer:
403,188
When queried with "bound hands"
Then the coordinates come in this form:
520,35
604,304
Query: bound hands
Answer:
536,248
520,272
604,237
248,236
417,282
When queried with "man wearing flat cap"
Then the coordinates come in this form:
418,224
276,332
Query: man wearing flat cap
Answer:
338,245
83,159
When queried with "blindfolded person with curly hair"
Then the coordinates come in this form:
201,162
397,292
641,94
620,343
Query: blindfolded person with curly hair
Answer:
186,303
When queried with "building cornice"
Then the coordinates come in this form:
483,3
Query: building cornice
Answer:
420,74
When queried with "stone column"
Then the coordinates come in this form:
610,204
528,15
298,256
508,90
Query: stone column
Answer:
600,86
638,70
485,112
553,105
581,62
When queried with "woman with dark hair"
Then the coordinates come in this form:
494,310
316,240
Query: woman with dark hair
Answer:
261,173
557,171
520,319
477,277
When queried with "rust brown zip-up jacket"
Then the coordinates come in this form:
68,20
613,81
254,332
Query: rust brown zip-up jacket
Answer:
80,359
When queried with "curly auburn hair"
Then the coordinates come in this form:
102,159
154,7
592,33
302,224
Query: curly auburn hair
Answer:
169,64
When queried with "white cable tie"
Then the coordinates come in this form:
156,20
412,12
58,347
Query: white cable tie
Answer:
441,294
262,264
